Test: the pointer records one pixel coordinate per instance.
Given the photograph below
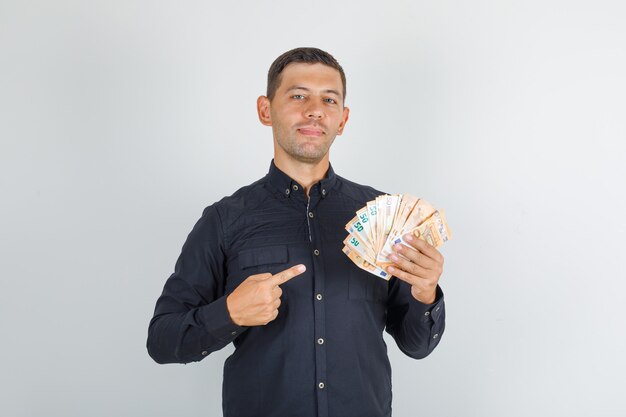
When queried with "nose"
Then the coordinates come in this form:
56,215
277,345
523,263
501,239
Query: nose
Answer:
314,110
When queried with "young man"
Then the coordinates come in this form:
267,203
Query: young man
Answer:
264,269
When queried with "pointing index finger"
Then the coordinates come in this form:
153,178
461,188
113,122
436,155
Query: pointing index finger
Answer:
287,274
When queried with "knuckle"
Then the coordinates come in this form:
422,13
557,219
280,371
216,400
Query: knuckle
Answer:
268,284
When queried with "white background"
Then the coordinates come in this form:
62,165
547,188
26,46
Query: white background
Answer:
121,120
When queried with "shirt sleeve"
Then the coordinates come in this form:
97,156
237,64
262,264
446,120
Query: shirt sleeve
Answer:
416,327
190,318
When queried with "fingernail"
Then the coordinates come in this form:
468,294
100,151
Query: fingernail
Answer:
397,247
408,237
391,269
301,268
393,257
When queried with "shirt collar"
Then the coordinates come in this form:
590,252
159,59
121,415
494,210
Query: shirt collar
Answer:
286,185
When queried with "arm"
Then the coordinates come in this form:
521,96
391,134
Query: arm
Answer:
416,327
191,318
416,310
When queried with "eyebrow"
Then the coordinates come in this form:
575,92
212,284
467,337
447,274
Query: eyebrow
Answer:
329,91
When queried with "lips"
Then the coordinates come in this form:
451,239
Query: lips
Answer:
311,131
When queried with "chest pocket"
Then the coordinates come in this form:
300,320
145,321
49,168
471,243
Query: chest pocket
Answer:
252,261
364,286
268,256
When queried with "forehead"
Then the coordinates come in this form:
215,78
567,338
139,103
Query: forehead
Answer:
313,76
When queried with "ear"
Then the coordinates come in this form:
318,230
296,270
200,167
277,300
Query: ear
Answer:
263,109
346,113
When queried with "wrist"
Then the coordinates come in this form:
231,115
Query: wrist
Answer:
424,297
231,311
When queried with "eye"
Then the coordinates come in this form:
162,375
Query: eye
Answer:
331,100
297,96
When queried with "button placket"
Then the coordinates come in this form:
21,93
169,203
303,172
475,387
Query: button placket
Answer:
319,307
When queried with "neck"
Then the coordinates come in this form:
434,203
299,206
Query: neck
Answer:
306,174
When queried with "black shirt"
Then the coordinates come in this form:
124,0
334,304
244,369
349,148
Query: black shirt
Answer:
324,355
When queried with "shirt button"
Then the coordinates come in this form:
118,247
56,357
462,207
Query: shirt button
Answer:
287,191
310,214
321,385
295,187
436,335
324,192
320,341
316,252
319,297
437,309
427,313
234,333
204,353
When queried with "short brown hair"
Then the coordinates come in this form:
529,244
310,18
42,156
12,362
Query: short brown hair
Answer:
306,55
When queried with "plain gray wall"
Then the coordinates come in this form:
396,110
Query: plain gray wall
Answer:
121,120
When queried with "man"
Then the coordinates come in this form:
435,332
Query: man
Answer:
264,269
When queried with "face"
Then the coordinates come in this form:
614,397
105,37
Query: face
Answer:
306,113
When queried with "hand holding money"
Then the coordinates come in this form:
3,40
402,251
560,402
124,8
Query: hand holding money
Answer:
398,235
418,264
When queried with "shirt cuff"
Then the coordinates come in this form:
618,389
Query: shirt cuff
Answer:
427,312
218,323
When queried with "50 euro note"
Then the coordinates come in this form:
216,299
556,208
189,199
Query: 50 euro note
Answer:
433,230
365,265
384,221
356,245
405,209
360,226
420,211
372,215
387,210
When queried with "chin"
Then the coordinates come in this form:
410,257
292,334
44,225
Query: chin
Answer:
308,157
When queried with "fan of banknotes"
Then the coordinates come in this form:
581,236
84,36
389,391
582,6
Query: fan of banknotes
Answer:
383,222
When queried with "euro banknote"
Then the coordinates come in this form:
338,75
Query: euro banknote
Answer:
383,222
